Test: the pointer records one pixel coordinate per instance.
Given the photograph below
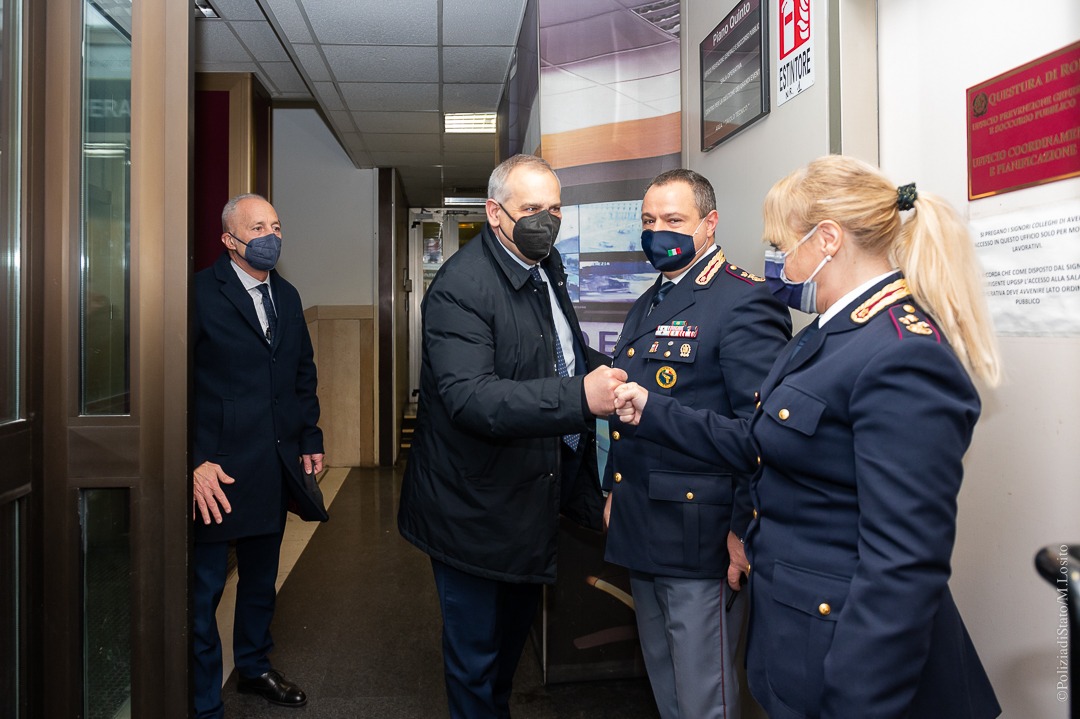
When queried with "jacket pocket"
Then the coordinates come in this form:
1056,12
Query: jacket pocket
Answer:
688,519
800,624
792,407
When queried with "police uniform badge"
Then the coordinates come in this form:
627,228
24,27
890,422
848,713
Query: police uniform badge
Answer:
666,377
907,318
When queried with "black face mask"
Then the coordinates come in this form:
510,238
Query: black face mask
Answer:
534,235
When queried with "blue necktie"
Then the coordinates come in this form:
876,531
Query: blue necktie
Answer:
571,440
271,315
661,293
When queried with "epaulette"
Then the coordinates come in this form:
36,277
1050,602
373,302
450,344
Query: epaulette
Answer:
884,297
712,268
741,274
905,317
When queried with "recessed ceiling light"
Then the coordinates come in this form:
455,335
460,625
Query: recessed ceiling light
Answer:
203,9
464,201
475,122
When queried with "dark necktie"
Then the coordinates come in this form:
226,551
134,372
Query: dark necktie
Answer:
661,294
571,440
271,315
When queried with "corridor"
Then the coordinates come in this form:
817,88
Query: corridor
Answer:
357,626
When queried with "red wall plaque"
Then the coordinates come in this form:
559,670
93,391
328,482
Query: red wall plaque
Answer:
1024,125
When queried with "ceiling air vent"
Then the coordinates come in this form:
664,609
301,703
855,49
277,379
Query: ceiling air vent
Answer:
664,14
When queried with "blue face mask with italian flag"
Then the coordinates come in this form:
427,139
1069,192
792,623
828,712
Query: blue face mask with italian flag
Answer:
669,251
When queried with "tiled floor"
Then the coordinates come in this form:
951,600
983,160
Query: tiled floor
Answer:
358,627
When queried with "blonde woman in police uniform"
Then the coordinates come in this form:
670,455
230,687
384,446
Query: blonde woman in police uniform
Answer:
858,439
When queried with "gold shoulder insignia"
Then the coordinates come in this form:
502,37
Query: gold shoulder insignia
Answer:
905,317
741,274
712,268
884,297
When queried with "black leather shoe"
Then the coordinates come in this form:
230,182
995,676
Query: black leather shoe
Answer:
274,688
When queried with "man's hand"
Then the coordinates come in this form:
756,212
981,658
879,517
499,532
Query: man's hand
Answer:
600,387
313,463
208,494
607,511
630,401
738,563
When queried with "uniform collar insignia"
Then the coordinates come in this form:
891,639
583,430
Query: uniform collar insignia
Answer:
712,268
887,295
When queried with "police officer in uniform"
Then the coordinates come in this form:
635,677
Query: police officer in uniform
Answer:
858,444
706,333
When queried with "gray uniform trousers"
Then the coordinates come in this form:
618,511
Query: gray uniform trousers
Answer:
689,644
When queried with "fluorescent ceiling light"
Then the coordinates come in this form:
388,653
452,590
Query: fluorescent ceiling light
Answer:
464,201
476,122
203,9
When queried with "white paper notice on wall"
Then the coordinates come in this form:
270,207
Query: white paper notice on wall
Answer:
1032,265
796,62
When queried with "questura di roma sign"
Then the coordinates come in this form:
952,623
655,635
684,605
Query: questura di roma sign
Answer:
1024,125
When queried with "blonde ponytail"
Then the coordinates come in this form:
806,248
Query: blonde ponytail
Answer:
937,256
932,248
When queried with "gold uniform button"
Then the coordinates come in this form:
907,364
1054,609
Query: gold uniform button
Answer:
757,406
668,353
759,460
757,395
783,414
755,513
690,495
618,477
908,308
630,352
824,609
615,435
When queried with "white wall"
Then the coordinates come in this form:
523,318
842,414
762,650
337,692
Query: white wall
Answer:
744,167
1022,487
327,211
1022,483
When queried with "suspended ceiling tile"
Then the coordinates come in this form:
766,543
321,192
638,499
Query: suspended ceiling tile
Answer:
475,159
237,9
260,40
327,94
471,98
284,76
402,158
481,22
453,142
342,120
398,122
312,61
430,143
476,64
290,19
391,96
217,43
249,66
383,63
399,22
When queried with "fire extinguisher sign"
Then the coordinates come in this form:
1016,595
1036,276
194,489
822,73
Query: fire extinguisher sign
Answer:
796,64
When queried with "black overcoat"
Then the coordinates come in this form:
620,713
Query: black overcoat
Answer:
481,491
254,405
